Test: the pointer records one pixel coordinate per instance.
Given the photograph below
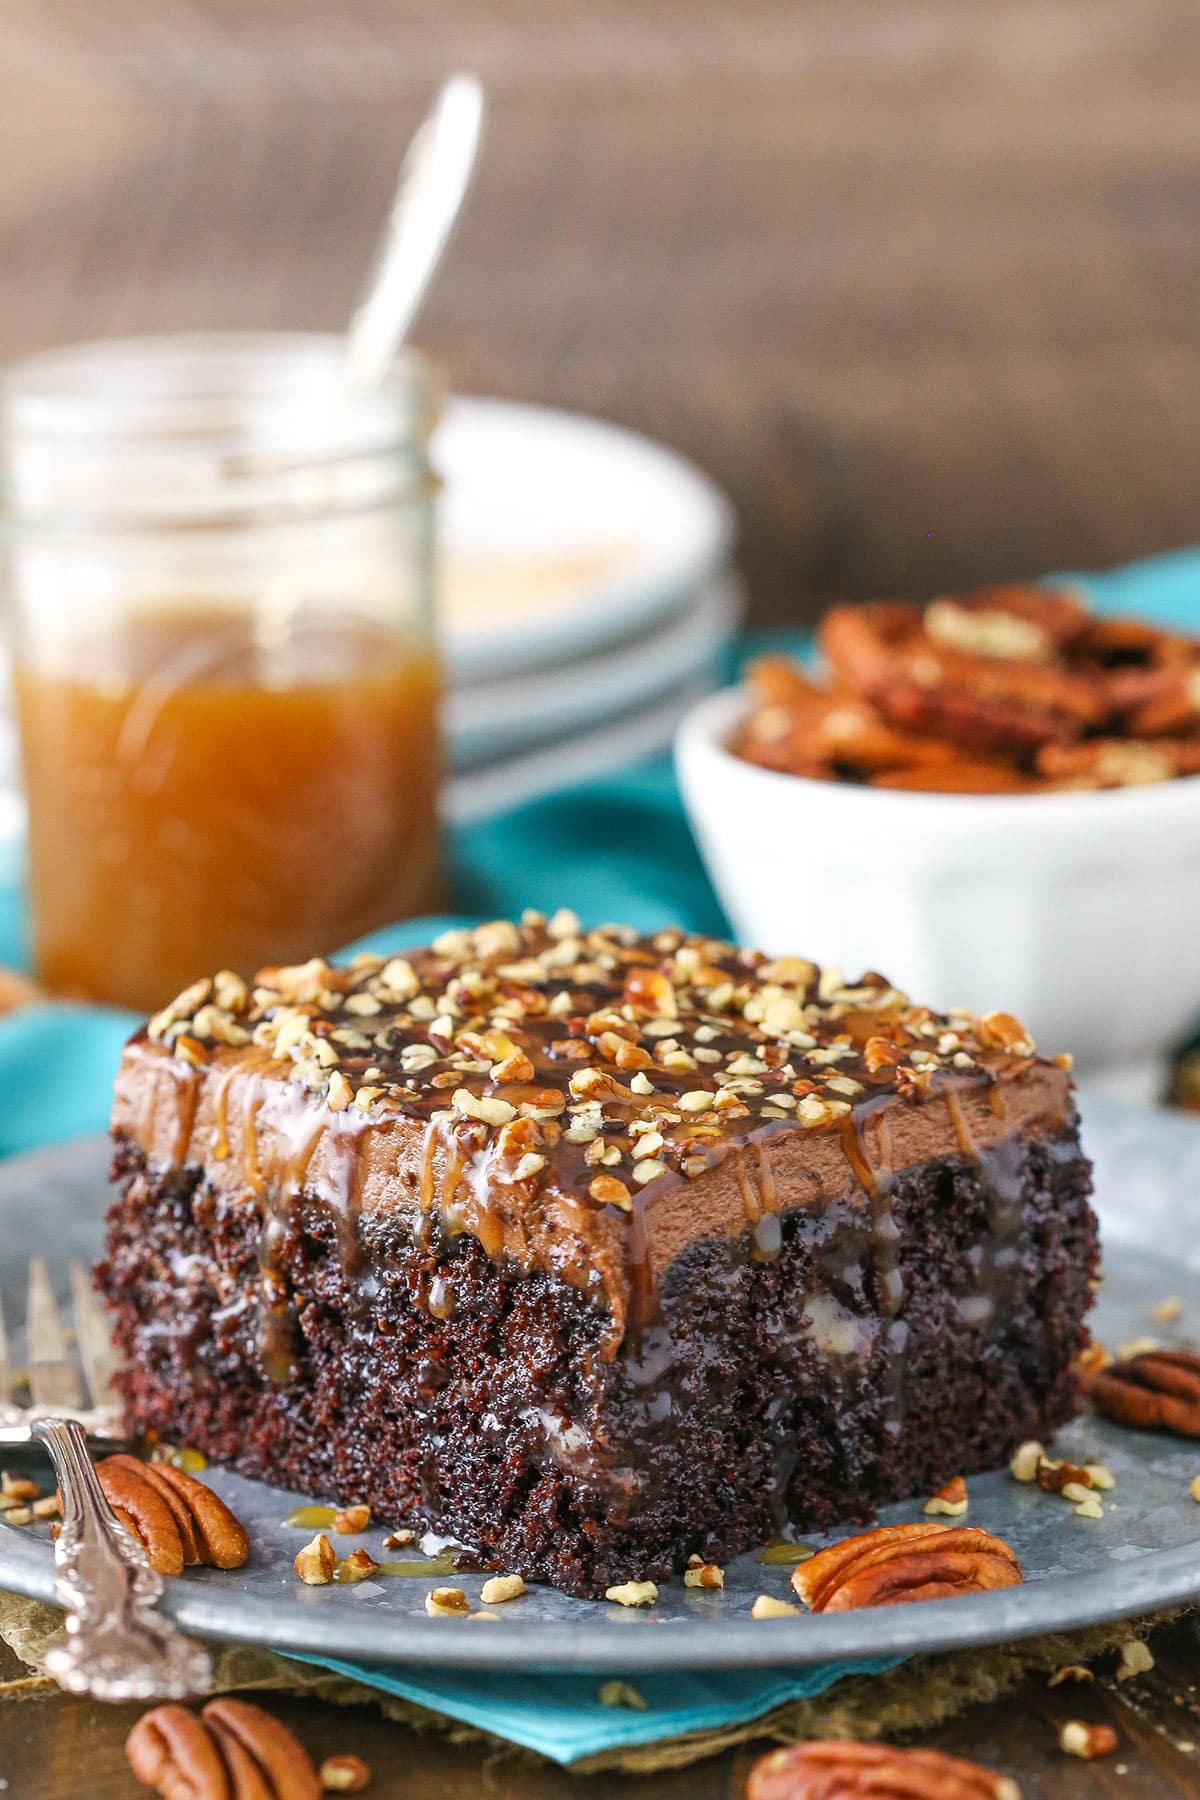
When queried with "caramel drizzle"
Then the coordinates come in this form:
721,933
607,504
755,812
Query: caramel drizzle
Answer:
962,1128
428,1152
250,1152
187,1095
453,1180
751,1198
766,1177
854,1148
220,1148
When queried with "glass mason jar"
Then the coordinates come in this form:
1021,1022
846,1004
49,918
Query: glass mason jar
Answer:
219,592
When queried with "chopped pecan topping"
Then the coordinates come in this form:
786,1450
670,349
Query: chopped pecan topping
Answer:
841,1769
595,1062
231,1749
1158,1390
178,1521
899,1563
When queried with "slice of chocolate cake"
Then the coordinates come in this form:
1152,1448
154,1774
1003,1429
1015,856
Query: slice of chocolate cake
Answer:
591,1250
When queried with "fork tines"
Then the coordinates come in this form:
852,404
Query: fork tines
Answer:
58,1383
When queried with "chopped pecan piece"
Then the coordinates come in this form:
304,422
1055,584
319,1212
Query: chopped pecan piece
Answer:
344,1775
1052,1477
950,1500
841,1769
1158,1390
1087,1741
899,1563
1091,1359
178,1521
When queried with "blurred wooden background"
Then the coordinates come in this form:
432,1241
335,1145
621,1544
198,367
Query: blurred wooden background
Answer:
919,282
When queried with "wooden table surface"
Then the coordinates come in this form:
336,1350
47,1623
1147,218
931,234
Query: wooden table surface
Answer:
920,284
66,1749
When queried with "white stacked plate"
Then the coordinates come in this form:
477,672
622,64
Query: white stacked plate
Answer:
587,597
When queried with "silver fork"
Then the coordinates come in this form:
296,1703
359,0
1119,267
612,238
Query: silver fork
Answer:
117,1647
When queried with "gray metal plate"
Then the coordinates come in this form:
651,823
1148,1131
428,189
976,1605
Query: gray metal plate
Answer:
1143,1554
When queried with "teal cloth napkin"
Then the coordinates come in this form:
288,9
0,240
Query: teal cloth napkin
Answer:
618,848
561,1716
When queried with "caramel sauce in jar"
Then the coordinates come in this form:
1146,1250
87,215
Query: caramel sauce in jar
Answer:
200,798
218,567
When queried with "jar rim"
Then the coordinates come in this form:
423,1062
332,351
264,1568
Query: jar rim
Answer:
208,386
207,427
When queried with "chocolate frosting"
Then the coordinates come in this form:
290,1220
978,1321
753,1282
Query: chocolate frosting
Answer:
588,1104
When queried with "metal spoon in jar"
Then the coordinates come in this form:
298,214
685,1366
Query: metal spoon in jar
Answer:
433,182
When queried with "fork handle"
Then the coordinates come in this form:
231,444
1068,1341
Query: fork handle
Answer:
117,1645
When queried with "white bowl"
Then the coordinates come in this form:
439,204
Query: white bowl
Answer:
1078,912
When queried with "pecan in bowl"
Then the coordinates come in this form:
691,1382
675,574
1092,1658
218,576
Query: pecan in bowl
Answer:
842,1769
1158,1390
898,1563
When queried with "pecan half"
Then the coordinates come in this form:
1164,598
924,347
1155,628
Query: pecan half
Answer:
178,1521
233,1751
1156,1391
259,1748
899,1563
841,1769
170,1750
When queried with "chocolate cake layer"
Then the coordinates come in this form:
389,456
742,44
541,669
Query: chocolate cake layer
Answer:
595,1251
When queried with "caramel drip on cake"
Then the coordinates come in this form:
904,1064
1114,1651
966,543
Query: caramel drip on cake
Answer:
962,1131
428,1153
766,1177
254,1100
854,1147
767,1235
279,1328
751,1198
187,1094
220,1138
